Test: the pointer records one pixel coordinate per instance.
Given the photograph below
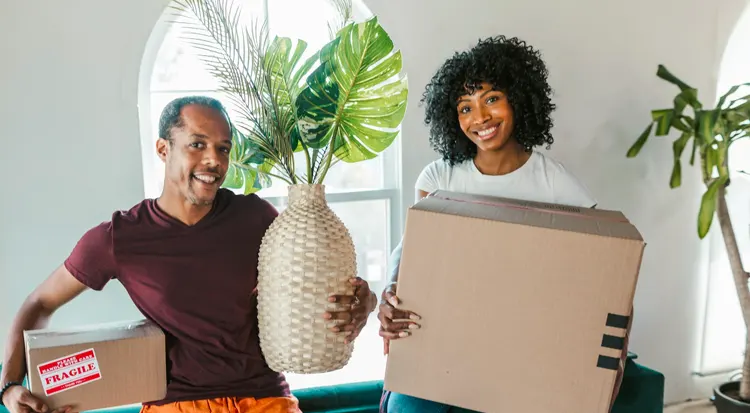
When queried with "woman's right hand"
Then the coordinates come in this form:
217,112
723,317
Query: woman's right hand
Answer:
394,323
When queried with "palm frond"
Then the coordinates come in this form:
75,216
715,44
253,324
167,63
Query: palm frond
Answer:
344,15
339,104
235,56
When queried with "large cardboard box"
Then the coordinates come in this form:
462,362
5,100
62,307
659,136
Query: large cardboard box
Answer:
97,366
524,305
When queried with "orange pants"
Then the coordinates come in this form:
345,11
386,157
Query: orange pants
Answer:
229,405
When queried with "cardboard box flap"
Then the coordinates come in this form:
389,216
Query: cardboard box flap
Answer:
546,215
45,338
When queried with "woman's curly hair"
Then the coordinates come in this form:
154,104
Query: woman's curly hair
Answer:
510,66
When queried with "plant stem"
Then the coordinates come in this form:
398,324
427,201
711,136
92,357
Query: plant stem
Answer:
307,158
329,157
740,277
269,174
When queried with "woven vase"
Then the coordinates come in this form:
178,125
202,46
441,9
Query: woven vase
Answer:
306,255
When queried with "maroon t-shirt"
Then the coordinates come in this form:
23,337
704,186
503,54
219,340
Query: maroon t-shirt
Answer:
197,283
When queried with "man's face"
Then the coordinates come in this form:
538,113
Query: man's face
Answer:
197,158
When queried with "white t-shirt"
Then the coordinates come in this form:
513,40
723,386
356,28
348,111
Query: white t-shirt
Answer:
540,179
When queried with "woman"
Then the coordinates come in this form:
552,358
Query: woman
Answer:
488,110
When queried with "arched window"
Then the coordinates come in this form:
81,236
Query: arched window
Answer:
364,195
724,333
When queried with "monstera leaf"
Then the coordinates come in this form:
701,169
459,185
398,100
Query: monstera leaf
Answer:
249,168
356,97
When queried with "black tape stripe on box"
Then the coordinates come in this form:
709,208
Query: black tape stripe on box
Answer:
617,321
609,363
617,343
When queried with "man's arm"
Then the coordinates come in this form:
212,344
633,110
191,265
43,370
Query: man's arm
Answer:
58,289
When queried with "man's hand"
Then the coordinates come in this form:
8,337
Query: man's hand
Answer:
394,323
19,400
362,303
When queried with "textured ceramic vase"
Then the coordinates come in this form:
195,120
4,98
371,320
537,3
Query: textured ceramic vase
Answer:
306,255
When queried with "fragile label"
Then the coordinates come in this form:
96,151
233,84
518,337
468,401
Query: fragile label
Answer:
69,372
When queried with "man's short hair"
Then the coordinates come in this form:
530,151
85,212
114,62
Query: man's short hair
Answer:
171,118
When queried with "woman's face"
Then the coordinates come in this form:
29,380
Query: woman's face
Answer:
486,117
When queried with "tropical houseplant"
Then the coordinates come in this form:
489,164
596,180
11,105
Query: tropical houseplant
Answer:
709,133
344,102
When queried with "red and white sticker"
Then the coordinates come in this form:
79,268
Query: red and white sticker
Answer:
69,372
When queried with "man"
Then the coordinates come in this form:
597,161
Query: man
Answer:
188,261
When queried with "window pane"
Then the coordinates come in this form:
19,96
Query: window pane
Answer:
177,65
310,20
367,222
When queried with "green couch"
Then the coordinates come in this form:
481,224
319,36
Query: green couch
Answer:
642,391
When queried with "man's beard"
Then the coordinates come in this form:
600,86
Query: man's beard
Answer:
195,200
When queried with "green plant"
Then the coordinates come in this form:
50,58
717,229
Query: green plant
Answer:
344,102
710,132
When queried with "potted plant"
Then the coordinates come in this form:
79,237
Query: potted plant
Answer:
344,102
710,133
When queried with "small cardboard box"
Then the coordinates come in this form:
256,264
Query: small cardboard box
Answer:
524,305
97,366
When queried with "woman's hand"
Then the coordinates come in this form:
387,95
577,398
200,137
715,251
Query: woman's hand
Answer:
394,323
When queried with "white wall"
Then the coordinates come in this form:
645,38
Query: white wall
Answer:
68,92
71,154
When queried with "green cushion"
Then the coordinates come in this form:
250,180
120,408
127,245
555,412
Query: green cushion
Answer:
642,391
354,397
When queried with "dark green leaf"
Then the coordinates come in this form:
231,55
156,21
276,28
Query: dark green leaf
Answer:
679,123
317,106
665,74
693,151
663,119
678,147
636,147
706,124
687,97
708,206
